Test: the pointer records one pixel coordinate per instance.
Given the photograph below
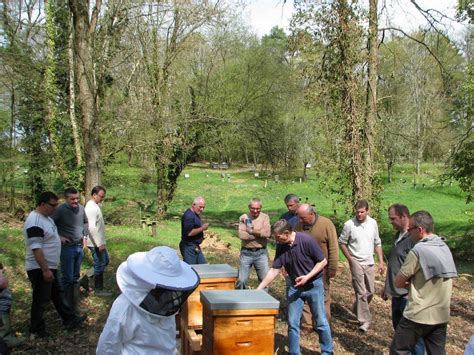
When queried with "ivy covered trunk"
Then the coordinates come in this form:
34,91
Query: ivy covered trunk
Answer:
87,88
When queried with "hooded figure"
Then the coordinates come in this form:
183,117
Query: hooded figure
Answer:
154,285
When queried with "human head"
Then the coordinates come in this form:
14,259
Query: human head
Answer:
98,194
282,231
157,281
72,197
421,225
306,214
292,202
361,209
47,203
255,206
199,204
399,217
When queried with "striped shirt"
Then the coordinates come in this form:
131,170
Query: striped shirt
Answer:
40,232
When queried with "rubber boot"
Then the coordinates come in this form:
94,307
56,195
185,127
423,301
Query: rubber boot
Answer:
10,339
99,286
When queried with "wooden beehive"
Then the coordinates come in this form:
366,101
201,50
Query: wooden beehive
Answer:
238,322
213,277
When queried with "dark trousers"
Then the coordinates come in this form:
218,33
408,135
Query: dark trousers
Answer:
398,306
408,332
43,292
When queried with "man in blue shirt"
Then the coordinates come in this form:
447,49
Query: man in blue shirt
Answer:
192,233
292,203
304,262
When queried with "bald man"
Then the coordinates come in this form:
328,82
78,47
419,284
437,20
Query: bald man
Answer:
324,232
192,233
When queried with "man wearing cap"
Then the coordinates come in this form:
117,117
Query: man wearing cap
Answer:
71,220
304,262
292,203
323,231
192,233
254,231
154,286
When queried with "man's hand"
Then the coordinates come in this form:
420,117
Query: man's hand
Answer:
48,276
205,226
65,241
301,280
383,295
283,272
102,248
381,268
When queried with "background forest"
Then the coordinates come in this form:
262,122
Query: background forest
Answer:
169,83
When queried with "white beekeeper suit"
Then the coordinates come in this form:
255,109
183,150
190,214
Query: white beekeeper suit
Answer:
154,285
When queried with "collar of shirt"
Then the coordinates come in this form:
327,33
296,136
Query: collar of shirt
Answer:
400,237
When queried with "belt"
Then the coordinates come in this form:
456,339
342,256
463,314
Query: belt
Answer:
254,249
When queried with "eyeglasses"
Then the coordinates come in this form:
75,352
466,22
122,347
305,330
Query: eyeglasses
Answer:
54,205
411,228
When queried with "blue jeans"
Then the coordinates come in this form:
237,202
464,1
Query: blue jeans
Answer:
101,260
191,253
71,259
313,294
257,258
398,305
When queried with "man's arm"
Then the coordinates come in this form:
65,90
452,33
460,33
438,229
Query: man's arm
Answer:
346,252
196,231
379,252
41,260
401,281
86,223
264,231
271,274
378,249
302,280
333,250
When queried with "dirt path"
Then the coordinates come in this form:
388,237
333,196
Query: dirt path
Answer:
347,339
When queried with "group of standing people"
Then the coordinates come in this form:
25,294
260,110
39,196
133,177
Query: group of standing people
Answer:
418,280
55,236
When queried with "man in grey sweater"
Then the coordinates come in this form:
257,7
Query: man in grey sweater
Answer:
71,220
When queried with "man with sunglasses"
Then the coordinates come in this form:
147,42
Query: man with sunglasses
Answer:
399,218
43,248
254,231
427,272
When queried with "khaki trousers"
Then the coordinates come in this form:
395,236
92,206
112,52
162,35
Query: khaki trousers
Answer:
363,282
307,318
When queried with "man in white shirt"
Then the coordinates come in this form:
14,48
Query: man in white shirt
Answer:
96,239
358,240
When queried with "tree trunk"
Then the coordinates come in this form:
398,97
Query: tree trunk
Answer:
72,102
87,88
371,108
